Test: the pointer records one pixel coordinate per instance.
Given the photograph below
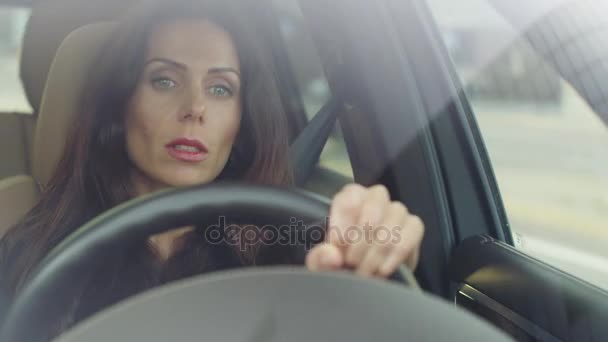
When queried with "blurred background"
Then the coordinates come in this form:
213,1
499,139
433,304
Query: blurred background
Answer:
12,27
548,147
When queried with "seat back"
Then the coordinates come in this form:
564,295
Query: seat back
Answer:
38,148
18,194
51,21
16,138
61,96
58,107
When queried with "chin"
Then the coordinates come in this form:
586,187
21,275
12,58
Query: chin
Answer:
188,179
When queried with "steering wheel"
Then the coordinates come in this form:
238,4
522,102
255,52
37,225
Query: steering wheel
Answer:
47,291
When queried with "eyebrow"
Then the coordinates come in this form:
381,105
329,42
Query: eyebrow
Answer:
216,70
167,61
224,70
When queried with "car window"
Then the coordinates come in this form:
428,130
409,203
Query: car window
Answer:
312,85
12,27
547,145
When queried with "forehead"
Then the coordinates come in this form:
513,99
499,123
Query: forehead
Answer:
194,43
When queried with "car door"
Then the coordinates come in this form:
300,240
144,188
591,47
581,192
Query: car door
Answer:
533,111
413,121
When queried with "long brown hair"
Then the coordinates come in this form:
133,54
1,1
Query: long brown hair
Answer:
92,175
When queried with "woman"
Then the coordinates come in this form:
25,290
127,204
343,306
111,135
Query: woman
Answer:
184,94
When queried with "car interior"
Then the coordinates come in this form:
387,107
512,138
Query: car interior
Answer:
431,161
41,133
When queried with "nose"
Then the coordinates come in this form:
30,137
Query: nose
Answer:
194,109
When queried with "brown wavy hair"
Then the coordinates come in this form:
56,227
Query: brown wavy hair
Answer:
92,175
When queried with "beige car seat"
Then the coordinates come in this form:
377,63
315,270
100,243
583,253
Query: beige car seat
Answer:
49,23
60,98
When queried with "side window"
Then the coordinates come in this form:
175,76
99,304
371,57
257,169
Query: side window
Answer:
12,26
547,145
312,85
16,125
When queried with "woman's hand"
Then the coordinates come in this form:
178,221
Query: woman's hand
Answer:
368,233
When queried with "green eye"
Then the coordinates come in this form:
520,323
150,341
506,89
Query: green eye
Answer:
220,91
163,83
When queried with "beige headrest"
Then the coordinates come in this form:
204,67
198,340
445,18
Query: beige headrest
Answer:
62,93
50,22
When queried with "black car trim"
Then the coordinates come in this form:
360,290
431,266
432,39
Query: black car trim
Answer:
520,322
566,307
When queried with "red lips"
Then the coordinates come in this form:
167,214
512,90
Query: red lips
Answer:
187,150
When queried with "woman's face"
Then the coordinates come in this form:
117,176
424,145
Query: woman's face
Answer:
185,113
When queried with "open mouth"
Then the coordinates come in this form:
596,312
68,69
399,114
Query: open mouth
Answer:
187,150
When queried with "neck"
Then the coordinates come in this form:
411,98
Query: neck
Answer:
167,244
164,244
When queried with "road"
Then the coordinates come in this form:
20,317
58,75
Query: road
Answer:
551,163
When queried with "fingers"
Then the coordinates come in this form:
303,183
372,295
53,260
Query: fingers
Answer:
406,249
385,242
368,233
344,213
324,257
372,213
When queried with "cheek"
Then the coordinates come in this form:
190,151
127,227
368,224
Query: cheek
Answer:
232,129
229,125
141,121
137,132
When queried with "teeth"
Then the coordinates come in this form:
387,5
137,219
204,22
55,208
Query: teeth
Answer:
186,148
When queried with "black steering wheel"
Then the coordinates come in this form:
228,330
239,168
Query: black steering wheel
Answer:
46,293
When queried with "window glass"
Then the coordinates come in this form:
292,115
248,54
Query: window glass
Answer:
312,84
12,27
533,91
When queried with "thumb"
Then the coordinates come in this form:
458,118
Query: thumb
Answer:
324,257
